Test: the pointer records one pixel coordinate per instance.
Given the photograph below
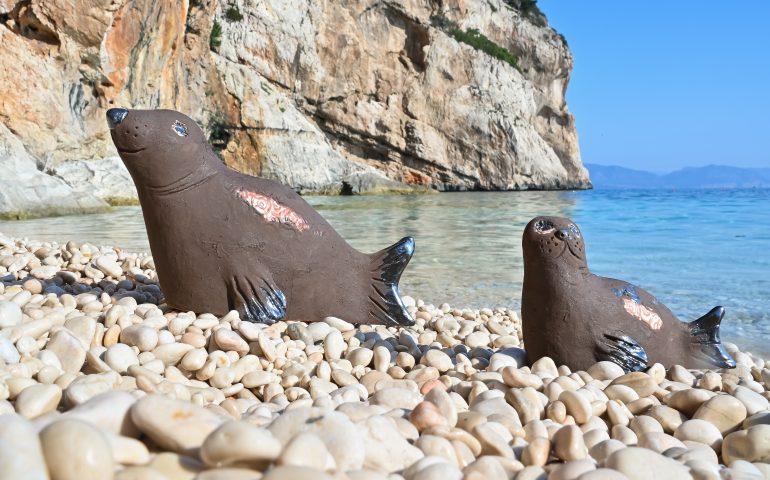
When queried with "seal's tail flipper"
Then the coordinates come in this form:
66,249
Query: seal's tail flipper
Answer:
706,342
385,305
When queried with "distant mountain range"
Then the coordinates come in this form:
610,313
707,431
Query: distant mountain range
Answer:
710,176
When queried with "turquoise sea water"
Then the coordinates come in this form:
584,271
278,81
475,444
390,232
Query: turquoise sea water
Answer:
692,249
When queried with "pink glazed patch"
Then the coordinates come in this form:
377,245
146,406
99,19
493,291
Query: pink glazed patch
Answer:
642,313
272,211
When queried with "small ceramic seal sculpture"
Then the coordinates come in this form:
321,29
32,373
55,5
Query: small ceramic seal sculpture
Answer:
222,240
578,318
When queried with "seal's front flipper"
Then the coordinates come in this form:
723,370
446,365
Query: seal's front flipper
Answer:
623,350
257,301
706,344
385,305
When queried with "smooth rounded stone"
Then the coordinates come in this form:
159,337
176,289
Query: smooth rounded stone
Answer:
700,431
568,443
140,336
38,400
174,425
10,314
8,353
752,445
139,473
640,382
724,411
297,331
536,452
668,418
494,406
572,470
82,327
678,373
68,349
426,415
604,449
171,353
229,474
396,398
291,472
360,357
119,357
644,424
545,367
176,467
109,411
194,359
240,444
532,473
334,345
477,339
689,400
127,451
338,324
231,341
513,377
605,370
438,471
343,438
594,436
307,450
762,418
577,405
710,381
484,467
437,359
318,330
443,401
659,441
492,443
638,463
258,378
74,449
603,474
433,445
21,456
753,401
109,266
527,403
385,446
82,388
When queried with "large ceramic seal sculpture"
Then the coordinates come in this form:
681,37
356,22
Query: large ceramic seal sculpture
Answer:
223,240
578,318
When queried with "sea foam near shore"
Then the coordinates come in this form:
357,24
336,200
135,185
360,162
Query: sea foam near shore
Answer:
96,377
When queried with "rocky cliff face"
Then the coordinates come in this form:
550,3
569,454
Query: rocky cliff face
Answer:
325,96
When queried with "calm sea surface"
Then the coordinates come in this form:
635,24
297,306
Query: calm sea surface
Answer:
692,249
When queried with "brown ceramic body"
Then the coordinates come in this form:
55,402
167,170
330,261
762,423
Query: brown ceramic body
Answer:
211,247
567,312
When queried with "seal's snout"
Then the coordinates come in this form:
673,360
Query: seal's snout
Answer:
115,116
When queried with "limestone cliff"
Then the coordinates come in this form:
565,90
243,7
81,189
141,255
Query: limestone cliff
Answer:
352,96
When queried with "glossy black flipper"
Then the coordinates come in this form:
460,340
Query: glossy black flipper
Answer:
257,302
705,340
385,304
623,350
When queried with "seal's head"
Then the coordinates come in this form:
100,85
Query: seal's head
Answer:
157,146
554,239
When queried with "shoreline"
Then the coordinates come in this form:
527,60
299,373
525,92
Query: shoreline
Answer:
88,354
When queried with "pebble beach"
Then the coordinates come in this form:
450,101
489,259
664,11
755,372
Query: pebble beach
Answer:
99,380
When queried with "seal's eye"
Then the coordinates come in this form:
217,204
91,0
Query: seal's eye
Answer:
544,226
574,230
180,128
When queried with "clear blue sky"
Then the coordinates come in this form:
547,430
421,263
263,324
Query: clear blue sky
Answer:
663,85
